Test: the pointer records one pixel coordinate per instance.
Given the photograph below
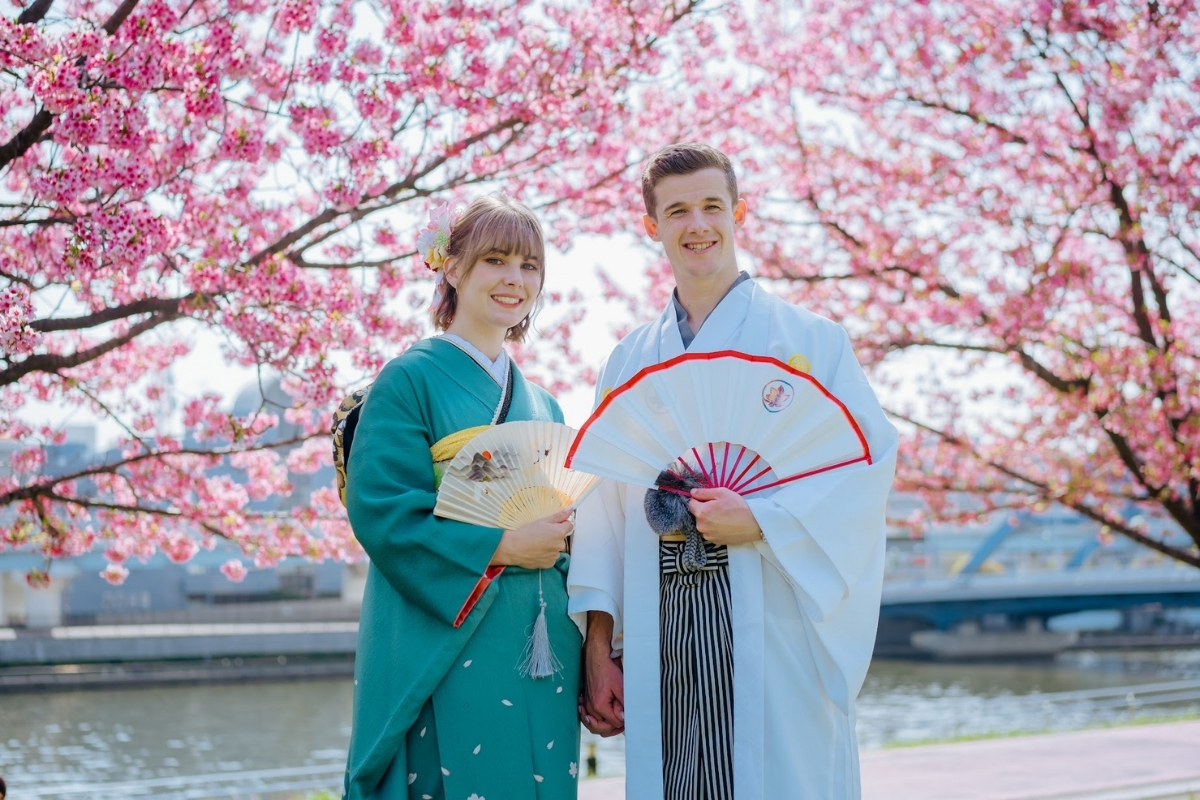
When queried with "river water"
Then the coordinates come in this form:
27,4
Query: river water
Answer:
288,739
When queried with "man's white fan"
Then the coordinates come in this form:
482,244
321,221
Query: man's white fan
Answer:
511,475
744,422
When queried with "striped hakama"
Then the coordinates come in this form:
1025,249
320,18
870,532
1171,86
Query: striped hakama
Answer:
696,656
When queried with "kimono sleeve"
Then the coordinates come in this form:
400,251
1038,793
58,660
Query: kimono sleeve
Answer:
596,580
597,576
439,565
826,534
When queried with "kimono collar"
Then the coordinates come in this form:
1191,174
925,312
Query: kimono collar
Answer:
722,329
685,331
498,369
470,373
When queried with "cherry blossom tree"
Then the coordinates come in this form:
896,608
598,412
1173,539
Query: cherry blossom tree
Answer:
1001,202
257,171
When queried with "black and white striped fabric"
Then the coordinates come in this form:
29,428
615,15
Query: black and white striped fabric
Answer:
696,657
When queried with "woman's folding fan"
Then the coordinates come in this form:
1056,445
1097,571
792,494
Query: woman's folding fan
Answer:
744,422
511,475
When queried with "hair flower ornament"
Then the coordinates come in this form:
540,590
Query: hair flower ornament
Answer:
433,243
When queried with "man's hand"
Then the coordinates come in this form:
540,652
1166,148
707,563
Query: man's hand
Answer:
602,704
722,517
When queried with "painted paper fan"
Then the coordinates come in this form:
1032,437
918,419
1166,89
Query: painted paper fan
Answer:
744,422
511,475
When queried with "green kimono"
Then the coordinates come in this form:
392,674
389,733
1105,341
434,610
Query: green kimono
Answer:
440,709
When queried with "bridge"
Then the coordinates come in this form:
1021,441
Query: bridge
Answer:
948,602
1007,579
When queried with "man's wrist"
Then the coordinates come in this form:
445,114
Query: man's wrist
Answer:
599,632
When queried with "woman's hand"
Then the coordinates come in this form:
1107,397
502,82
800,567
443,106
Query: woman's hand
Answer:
536,545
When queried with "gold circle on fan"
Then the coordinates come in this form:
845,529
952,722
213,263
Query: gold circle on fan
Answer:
530,504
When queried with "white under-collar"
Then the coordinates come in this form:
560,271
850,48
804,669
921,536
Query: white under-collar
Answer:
498,369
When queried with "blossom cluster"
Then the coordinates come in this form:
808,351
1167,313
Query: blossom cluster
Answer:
258,171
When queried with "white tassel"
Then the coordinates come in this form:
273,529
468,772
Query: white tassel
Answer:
538,659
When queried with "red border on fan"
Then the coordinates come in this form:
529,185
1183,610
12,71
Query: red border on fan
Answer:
720,354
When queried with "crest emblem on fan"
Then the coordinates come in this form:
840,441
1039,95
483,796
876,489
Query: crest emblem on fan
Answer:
743,422
511,475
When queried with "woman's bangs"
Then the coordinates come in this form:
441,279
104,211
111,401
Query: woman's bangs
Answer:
513,234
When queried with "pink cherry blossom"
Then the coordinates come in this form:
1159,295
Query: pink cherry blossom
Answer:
261,171
234,570
115,574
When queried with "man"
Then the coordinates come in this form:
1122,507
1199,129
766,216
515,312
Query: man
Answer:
739,681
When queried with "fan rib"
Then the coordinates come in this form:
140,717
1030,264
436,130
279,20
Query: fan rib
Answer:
737,461
700,463
725,465
738,479
817,471
758,475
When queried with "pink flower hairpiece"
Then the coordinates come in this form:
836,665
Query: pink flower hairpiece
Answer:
433,243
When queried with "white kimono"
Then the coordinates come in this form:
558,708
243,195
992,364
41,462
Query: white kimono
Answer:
805,601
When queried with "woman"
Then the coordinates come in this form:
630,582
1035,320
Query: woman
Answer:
441,709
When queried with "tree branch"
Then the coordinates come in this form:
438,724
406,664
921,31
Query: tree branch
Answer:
377,202
29,135
151,305
299,260
35,12
1044,492
1064,385
46,487
12,223
25,138
53,362
119,16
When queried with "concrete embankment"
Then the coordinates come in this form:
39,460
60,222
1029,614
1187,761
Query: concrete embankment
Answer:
1142,762
140,674
74,657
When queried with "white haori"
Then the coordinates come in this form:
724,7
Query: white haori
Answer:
819,572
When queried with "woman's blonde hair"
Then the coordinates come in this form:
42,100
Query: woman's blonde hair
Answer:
494,223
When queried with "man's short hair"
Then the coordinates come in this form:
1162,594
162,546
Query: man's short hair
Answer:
684,158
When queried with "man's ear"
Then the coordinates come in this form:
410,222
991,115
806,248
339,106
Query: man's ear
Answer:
739,212
651,226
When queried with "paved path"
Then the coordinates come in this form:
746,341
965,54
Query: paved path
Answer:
1145,762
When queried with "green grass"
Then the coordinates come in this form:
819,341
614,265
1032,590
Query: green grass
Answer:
977,737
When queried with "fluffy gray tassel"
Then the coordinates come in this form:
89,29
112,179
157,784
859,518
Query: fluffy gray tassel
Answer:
667,512
538,659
